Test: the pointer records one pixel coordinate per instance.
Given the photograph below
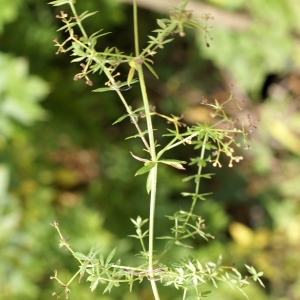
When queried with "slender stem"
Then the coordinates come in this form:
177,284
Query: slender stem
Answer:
147,113
154,290
142,244
70,281
77,19
153,172
128,109
172,145
197,188
135,28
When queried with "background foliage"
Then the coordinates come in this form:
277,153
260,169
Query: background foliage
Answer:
54,164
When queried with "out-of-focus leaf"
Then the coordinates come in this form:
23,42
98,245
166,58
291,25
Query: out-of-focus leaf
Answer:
4,179
8,12
19,94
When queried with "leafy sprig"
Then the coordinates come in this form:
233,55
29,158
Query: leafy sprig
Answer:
209,140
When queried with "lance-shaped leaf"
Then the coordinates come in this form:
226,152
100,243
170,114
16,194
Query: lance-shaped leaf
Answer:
197,196
161,24
151,69
61,2
109,257
137,135
174,163
149,182
148,166
86,14
128,115
105,89
80,256
116,87
68,26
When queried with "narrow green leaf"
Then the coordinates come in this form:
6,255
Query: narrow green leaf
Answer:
94,251
172,26
85,15
101,258
69,25
78,52
161,24
78,59
95,33
109,287
134,236
110,256
165,238
94,284
151,69
167,41
203,196
210,146
182,245
83,267
100,90
61,2
148,183
199,196
158,30
80,256
149,60
136,135
128,115
145,169
208,176
120,119
188,194
188,178
191,266
151,38
201,163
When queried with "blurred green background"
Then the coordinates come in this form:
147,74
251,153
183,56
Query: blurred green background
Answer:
61,159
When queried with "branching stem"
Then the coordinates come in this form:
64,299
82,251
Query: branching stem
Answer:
197,188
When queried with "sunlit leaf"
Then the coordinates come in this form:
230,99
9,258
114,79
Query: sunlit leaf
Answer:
110,256
80,256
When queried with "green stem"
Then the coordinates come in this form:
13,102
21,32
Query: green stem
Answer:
135,28
153,172
78,19
172,145
153,176
69,282
147,112
197,188
128,109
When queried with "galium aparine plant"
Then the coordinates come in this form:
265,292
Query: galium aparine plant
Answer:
189,275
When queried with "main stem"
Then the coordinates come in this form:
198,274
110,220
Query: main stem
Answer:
153,172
